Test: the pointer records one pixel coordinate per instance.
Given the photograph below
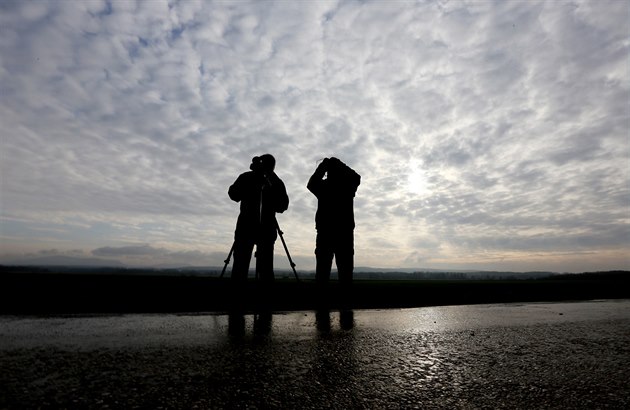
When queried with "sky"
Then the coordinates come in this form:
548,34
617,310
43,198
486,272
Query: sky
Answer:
488,135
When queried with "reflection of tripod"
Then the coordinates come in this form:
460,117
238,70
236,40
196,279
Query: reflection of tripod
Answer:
284,244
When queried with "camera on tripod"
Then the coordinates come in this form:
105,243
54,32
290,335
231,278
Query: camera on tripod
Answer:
257,165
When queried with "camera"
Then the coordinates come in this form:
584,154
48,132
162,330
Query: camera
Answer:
264,164
256,165
332,164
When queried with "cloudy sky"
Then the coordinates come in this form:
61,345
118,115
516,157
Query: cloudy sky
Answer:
489,135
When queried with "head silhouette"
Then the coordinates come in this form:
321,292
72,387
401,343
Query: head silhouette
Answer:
268,162
265,163
335,167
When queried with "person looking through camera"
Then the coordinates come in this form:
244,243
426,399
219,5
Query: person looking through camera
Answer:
335,185
262,194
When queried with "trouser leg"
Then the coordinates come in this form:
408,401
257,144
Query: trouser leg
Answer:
264,261
323,258
345,267
344,257
242,257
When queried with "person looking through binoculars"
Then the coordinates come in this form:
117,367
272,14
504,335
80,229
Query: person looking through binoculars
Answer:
335,185
262,194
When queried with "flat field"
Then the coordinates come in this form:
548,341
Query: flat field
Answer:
32,292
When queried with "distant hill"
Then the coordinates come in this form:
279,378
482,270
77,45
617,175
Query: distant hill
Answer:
59,260
109,266
431,274
397,270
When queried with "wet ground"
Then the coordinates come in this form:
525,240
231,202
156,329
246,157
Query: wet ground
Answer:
543,355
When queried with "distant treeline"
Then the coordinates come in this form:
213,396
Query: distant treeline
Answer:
432,275
484,275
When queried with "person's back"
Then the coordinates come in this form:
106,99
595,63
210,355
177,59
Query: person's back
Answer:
260,197
261,194
335,209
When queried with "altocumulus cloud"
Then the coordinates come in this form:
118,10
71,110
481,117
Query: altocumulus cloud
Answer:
488,134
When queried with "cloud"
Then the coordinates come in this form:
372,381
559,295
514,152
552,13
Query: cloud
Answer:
148,255
136,250
126,122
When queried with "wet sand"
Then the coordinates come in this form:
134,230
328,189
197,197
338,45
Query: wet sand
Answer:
538,355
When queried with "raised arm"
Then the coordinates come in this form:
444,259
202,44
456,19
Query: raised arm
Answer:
315,181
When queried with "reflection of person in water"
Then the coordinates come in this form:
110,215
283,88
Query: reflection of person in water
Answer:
334,184
335,360
261,329
323,322
261,194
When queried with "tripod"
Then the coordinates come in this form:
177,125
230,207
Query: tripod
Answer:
284,244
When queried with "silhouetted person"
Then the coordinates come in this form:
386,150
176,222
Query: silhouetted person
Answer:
334,184
261,194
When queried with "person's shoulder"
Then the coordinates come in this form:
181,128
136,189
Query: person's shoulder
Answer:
245,178
247,175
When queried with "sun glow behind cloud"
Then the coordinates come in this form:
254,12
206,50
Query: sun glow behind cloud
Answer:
487,134
417,183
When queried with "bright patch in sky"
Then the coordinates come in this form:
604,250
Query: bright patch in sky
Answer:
417,181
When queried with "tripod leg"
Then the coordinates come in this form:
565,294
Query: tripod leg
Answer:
257,262
227,261
284,244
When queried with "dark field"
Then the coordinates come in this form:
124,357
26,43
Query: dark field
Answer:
30,292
